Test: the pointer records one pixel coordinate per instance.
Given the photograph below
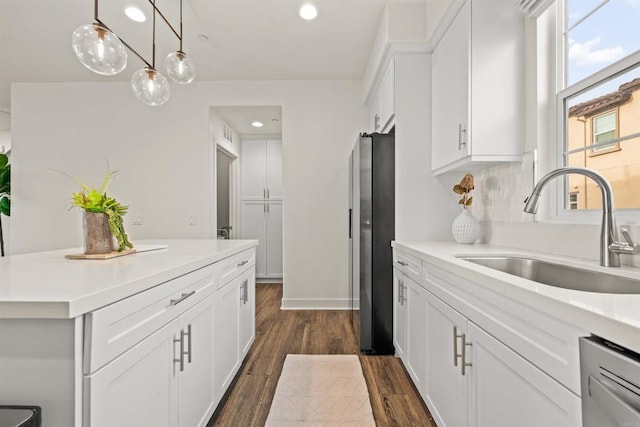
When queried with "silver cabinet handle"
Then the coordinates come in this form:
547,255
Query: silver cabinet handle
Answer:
245,285
188,334
264,193
404,293
400,292
268,197
465,344
264,206
267,205
181,359
240,264
455,346
461,131
403,263
183,297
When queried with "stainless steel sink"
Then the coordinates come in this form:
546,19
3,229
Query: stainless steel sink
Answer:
559,275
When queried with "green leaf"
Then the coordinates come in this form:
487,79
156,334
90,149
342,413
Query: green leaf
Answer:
5,205
4,160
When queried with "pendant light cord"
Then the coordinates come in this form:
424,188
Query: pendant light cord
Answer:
153,47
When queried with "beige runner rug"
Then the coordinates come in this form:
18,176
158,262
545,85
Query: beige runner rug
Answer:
321,390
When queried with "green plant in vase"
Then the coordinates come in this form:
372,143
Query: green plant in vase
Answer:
97,201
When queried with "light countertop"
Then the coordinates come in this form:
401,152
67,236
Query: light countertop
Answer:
46,285
612,316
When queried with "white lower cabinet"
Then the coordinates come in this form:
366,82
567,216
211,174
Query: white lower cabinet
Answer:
234,327
176,375
467,376
446,390
506,390
410,339
138,388
165,380
475,380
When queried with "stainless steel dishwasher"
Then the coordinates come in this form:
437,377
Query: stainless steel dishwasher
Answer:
610,383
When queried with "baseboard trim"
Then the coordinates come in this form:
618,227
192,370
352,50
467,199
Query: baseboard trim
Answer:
316,304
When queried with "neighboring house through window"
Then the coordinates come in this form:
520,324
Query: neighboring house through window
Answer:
599,99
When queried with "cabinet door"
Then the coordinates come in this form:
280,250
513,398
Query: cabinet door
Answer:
387,99
253,156
447,387
254,226
138,388
274,169
226,331
274,240
247,304
450,92
196,391
507,390
399,314
417,308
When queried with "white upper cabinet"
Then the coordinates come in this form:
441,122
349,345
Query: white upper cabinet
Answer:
477,114
261,169
382,106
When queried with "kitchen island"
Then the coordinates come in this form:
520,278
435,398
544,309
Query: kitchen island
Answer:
152,338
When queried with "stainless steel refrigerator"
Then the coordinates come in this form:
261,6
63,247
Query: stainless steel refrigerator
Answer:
371,230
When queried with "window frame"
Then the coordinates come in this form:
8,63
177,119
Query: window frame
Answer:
561,211
605,147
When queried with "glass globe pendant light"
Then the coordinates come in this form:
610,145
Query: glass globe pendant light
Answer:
180,69
150,87
99,49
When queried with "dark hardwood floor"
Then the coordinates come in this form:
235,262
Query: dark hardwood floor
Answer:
394,399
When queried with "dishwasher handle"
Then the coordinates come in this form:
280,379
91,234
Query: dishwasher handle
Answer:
616,408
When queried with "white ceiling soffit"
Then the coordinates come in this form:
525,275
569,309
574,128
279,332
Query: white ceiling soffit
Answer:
247,40
240,119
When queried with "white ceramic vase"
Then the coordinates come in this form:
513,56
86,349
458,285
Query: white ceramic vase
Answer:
465,228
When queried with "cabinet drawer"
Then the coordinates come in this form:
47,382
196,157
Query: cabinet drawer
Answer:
409,265
111,330
234,265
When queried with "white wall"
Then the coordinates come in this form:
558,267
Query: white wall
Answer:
165,159
425,206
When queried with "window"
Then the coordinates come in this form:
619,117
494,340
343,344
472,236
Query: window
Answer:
573,200
604,131
599,99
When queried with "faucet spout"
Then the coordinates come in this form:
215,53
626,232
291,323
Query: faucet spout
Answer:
609,256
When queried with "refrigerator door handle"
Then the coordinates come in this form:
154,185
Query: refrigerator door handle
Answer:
350,222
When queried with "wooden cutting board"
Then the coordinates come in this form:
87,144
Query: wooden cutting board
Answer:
110,255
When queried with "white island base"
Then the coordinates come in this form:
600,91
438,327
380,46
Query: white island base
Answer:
153,338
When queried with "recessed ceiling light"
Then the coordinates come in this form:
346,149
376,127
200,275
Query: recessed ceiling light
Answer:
257,124
135,14
308,12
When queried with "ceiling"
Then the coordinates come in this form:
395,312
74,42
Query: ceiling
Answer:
246,40
240,119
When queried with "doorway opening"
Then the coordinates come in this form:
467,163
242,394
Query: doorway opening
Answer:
223,192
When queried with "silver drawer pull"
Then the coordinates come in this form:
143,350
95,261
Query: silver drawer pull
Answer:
240,264
402,263
183,297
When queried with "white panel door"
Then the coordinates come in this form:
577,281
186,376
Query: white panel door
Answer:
138,388
399,315
253,156
247,304
274,170
450,91
274,239
196,395
506,390
417,307
226,332
254,226
447,398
